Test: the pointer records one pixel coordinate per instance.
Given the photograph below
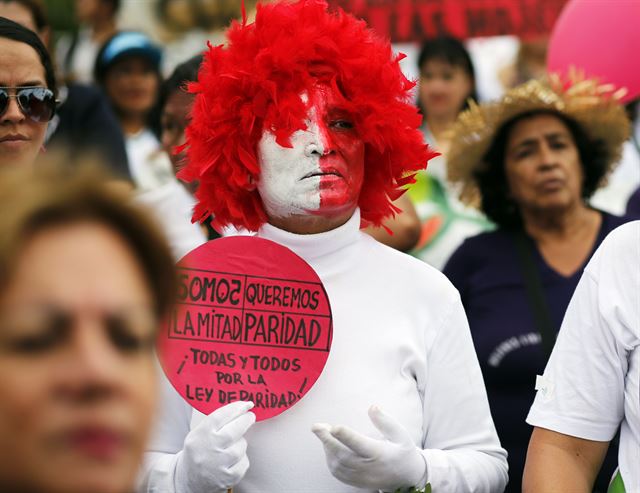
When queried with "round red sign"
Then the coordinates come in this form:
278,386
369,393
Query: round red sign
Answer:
252,322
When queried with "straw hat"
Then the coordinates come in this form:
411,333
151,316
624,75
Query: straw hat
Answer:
596,108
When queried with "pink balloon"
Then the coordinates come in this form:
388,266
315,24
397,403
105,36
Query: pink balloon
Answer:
602,38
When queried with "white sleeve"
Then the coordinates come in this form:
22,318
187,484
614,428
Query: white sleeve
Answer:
172,206
171,426
582,390
463,452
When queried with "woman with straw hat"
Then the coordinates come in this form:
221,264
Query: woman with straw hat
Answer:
529,161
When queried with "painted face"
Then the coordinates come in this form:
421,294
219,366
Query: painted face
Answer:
323,171
542,164
77,374
20,137
443,88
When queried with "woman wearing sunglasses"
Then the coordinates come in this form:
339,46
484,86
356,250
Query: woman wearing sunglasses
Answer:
27,94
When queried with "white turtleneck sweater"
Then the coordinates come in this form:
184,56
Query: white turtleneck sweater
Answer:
401,341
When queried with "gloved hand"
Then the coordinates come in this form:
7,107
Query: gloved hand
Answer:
365,462
214,456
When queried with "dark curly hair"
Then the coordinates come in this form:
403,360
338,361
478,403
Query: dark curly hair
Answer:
492,181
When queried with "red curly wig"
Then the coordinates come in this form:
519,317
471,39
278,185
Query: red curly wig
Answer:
255,82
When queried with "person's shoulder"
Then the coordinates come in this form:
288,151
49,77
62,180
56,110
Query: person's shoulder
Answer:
481,248
626,234
84,93
83,102
487,240
406,268
613,221
619,251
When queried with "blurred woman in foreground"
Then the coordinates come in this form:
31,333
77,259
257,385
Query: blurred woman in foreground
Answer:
84,281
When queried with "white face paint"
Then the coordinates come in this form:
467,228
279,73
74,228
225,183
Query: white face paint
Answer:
289,181
321,174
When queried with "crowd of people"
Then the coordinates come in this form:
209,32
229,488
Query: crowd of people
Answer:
481,259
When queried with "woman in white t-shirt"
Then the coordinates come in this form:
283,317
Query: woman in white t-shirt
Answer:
591,385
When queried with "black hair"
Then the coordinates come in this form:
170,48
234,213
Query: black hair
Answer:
35,9
453,52
184,73
16,32
115,5
492,180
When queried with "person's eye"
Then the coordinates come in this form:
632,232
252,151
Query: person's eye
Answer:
132,333
522,153
34,334
558,144
342,124
34,343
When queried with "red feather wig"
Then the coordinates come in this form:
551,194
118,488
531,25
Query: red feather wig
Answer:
254,84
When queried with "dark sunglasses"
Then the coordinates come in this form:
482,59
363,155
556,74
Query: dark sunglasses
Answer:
36,103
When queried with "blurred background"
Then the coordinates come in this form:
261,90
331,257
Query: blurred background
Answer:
504,37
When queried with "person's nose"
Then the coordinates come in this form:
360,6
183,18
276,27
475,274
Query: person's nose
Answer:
319,143
548,156
13,113
94,366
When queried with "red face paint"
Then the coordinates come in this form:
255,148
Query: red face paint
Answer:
341,158
321,174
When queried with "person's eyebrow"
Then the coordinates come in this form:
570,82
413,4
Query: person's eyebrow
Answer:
528,142
338,109
532,141
556,135
31,83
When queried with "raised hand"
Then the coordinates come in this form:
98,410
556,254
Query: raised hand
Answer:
365,462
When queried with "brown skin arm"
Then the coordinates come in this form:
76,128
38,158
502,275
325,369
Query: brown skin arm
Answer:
405,226
558,463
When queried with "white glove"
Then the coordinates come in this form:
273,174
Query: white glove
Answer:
365,462
214,456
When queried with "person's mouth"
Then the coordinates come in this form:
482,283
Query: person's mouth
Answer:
14,138
321,173
99,442
437,98
551,184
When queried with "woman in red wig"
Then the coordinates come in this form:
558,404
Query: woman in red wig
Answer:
303,130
